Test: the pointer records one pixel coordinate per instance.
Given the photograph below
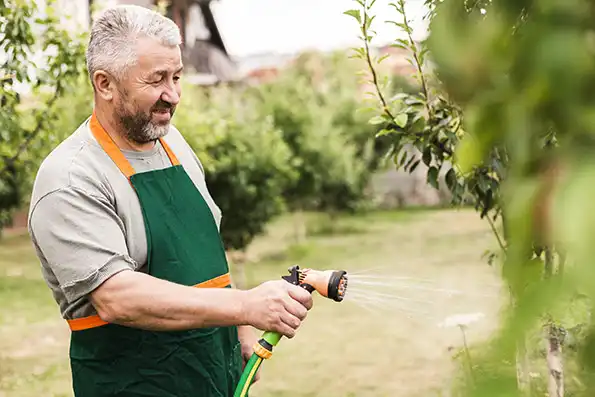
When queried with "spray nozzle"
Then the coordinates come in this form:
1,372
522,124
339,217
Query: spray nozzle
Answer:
331,284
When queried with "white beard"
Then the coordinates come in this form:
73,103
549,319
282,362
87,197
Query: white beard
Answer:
153,132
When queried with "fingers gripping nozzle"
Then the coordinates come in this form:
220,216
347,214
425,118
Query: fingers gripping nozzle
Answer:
331,284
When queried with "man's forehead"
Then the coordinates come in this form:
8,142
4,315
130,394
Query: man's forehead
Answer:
155,58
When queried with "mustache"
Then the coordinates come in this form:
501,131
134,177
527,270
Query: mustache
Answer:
162,105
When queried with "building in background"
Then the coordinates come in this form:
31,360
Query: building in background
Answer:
203,48
249,40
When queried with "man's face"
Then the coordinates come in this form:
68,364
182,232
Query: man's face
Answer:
149,93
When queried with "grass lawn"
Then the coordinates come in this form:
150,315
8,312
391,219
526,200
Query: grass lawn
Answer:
380,344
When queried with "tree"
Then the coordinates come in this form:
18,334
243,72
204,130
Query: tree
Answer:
314,103
26,120
512,115
247,164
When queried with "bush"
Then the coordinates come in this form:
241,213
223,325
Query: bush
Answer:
247,164
314,102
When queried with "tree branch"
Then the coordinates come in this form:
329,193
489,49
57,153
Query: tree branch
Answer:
372,70
23,146
418,64
500,241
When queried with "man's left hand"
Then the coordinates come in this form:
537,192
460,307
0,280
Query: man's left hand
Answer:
248,338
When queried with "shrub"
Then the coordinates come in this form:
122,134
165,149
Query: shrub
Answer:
247,164
314,103
29,92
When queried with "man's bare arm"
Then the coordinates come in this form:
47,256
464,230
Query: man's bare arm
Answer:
139,300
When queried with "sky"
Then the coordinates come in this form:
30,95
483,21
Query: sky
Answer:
251,27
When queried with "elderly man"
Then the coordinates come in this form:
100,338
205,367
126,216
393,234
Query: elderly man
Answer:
128,235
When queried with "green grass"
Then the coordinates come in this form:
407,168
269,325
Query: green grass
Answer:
342,349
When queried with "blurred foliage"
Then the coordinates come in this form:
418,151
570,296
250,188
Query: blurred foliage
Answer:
296,142
425,119
247,164
41,59
315,104
523,74
506,100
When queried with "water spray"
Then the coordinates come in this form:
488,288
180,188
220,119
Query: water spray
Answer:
331,284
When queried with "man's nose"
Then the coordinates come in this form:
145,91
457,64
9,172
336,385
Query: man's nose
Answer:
171,96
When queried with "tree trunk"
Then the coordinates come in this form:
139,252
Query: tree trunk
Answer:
561,262
553,342
555,383
522,368
549,263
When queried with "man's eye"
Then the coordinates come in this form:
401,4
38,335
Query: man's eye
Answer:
176,78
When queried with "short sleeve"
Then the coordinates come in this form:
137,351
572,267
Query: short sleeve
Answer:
81,239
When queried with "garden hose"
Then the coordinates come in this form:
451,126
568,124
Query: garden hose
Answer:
331,284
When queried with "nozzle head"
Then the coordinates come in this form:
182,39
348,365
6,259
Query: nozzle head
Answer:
337,285
330,283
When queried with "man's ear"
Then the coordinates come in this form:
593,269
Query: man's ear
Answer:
104,85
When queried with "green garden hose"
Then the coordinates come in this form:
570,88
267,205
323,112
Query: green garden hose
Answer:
270,338
330,284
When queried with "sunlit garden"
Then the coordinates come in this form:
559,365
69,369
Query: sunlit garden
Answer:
483,290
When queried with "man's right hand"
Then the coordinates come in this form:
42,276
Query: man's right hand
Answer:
277,306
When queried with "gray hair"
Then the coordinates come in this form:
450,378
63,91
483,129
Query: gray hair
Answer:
113,37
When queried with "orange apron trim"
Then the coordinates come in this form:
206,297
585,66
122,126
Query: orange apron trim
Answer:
79,324
114,152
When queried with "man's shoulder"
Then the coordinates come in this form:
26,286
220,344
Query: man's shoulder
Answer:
176,140
75,163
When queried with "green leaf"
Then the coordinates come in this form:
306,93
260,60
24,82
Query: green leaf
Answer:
384,132
369,22
397,7
401,25
422,55
451,179
432,177
401,120
377,120
404,42
403,158
414,166
355,14
382,58
427,155
469,153
410,162
399,45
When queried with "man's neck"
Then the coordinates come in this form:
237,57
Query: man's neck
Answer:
113,129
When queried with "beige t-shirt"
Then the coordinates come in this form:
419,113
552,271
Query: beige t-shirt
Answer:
85,219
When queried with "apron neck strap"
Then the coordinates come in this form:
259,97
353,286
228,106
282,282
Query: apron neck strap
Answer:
114,152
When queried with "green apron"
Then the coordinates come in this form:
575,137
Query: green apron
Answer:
184,247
